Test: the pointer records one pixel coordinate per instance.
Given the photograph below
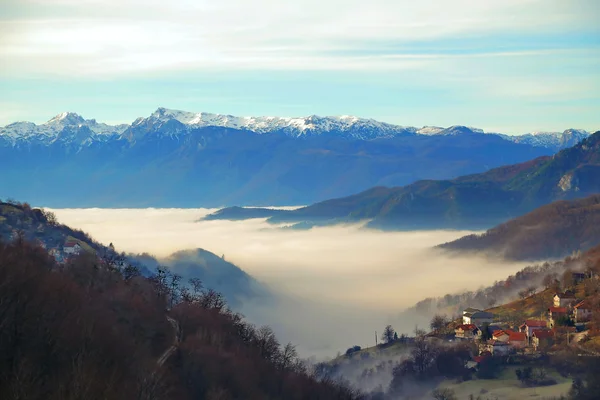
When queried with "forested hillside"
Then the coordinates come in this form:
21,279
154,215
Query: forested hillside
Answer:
552,231
41,226
529,280
91,329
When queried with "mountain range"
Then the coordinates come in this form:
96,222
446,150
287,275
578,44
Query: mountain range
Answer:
180,159
474,201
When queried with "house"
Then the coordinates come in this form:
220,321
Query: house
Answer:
532,325
554,313
72,247
478,318
564,299
501,335
467,313
474,363
582,311
542,338
498,348
467,331
517,340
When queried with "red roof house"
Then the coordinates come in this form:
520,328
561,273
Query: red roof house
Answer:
531,325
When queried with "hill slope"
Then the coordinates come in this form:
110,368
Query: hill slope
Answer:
551,231
219,160
472,201
89,332
39,226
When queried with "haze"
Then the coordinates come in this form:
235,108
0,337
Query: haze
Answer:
337,285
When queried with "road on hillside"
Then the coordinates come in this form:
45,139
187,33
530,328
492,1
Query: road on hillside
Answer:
165,356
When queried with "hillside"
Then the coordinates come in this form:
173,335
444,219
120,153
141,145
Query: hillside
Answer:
220,160
468,202
214,272
552,231
85,330
41,227
533,278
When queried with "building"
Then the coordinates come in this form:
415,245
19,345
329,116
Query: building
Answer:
467,331
467,313
532,325
500,335
554,313
564,299
542,338
517,340
582,311
478,318
72,247
497,348
482,317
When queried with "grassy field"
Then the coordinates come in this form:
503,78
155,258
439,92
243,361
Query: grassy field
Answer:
83,244
508,387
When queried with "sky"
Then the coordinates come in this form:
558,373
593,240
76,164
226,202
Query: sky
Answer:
512,66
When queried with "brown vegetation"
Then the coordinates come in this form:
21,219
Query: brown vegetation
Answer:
83,331
552,231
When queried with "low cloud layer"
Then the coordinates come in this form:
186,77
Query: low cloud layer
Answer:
337,285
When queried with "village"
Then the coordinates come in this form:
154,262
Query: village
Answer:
565,322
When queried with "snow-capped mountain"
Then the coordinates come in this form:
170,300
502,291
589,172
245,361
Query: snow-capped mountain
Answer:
180,159
71,127
357,128
66,126
568,138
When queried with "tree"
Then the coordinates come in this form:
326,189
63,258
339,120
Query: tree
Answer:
438,322
388,334
567,279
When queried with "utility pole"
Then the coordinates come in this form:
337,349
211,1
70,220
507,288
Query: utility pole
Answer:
375,338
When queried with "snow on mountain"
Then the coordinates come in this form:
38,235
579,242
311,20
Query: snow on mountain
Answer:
361,128
72,128
66,126
568,138
430,130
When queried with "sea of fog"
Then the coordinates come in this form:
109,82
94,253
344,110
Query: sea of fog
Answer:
336,285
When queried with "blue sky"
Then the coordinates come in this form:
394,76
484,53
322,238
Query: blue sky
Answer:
513,66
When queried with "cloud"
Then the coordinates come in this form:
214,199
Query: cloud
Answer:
336,285
115,37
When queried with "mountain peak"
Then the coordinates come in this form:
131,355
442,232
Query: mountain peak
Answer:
67,118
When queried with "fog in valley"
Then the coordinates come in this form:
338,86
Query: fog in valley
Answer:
334,286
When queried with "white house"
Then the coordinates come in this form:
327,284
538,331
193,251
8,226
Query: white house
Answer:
72,247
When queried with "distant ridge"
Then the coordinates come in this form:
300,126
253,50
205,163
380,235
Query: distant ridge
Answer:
469,202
